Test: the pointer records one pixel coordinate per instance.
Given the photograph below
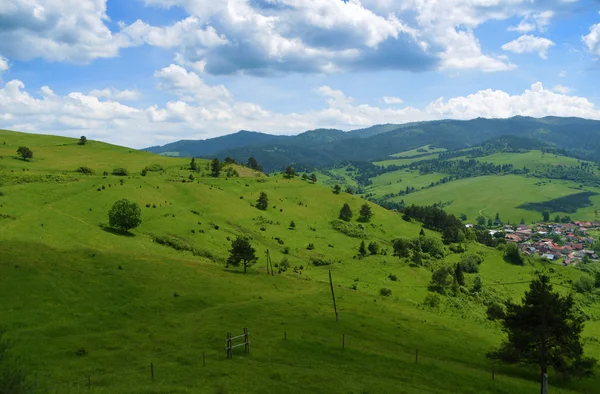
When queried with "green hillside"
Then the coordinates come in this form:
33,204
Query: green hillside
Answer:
87,305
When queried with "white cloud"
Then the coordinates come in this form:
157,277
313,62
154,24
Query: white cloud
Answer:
562,73
188,85
392,100
527,43
126,95
532,22
592,40
57,30
4,66
562,89
536,101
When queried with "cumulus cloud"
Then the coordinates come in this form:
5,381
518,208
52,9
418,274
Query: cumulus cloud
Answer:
188,85
561,89
392,100
57,30
527,43
592,40
4,66
532,22
116,94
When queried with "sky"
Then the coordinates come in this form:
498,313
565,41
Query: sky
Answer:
147,72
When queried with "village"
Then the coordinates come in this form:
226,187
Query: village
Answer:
568,243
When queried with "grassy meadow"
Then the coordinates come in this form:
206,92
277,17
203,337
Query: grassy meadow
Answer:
86,305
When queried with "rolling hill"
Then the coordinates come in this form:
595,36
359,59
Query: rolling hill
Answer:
86,305
579,137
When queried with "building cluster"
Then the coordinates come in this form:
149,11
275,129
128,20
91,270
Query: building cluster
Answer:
568,243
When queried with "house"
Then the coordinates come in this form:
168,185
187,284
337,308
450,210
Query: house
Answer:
548,256
513,238
577,246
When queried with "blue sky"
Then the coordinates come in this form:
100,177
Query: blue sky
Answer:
146,72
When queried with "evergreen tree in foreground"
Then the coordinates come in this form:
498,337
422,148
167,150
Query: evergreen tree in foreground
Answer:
545,331
215,168
337,189
365,213
346,213
193,165
362,249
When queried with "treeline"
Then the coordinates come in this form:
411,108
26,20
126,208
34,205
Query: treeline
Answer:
466,168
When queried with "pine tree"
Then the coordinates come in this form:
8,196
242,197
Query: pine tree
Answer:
263,201
193,165
346,213
337,189
459,276
289,173
365,213
373,248
422,233
313,178
215,167
241,252
545,330
362,249
292,225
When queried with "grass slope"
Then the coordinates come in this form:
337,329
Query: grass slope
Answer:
67,284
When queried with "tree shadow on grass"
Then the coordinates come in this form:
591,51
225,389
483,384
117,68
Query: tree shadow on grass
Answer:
115,231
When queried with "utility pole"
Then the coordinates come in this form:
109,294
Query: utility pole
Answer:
333,296
544,377
267,253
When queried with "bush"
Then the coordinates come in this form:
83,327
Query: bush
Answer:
1,193
310,247
286,250
320,261
585,284
348,229
120,172
433,246
385,292
85,170
432,300
125,214
154,168
470,264
393,277
512,255
496,311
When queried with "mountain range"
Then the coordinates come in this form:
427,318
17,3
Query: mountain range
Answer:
321,147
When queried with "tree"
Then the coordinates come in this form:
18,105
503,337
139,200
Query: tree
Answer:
292,225
422,232
365,213
263,201
545,331
512,255
477,285
252,163
215,167
441,279
546,216
497,219
82,140
191,178
125,215
346,213
459,275
490,223
25,152
313,178
193,165
373,248
289,173
229,160
480,221
522,221
337,189
241,252
463,217
362,249
402,247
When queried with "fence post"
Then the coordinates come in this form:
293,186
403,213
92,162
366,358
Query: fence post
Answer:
204,359
343,341
493,371
152,371
89,382
417,356
285,335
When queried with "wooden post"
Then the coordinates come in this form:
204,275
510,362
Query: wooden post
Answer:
285,335
545,384
417,356
246,344
493,371
343,341
333,296
267,253
152,371
204,359
89,382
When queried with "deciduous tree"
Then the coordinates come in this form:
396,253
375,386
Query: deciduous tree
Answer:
82,140
365,213
25,152
125,215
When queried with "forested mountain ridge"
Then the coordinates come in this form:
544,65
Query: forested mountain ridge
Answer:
577,137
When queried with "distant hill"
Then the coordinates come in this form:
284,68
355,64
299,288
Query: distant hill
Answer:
578,137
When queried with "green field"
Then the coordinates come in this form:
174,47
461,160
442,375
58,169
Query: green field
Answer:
489,195
66,283
532,159
414,152
393,182
405,161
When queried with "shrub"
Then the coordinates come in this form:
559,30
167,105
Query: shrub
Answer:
373,248
348,229
393,277
496,311
585,284
1,193
81,352
105,173
433,246
432,300
310,247
286,250
470,264
120,172
320,261
385,292
154,168
85,170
